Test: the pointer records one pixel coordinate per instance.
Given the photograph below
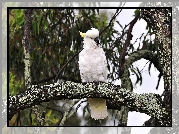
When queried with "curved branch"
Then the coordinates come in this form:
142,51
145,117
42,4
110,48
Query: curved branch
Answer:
146,54
135,56
150,104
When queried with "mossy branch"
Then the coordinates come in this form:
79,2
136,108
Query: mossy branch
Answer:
150,104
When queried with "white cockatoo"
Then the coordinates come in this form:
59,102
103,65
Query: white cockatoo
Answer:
93,67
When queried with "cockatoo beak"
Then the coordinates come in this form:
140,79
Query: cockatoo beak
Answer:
82,34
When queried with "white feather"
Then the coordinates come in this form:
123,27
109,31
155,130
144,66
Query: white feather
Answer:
93,67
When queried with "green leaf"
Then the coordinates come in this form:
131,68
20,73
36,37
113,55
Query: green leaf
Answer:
21,21
84,110
38,23
149,67
140,76
119,24
34,28
136,12
46,25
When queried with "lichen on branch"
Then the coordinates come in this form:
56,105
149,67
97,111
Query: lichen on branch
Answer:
150,104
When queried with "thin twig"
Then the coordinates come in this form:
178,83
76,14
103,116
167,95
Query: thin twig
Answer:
66,65
138,38
159,77
79,105
52,109
144,66
114,16
67,114
56,76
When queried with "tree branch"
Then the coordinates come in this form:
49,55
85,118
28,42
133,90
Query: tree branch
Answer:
66,64
126,44
146,54
114,16
150,104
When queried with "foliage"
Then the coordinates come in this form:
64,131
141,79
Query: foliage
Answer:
15,85
54,39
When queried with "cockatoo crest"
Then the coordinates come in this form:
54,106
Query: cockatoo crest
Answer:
91,38
93,33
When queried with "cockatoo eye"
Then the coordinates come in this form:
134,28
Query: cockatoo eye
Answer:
96,40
